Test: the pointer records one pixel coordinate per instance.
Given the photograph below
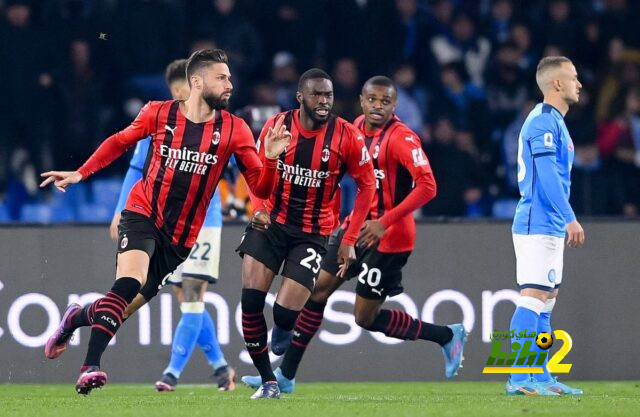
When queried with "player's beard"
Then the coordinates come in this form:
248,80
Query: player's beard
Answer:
309,111
215,102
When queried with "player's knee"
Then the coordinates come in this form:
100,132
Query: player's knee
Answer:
192,290
364,319
133,271
321,294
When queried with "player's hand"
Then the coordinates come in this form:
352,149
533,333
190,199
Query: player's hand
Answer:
371,232
113,228
346,256
60,179
276,139
575,234
261,220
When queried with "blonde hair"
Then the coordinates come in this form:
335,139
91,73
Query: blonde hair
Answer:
545,65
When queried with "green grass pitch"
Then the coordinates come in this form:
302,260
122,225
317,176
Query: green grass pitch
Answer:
469,399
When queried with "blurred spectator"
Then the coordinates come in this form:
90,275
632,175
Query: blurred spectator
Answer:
506,85
623,72
219,21
585,180
619,20
412,101
463,45
439,18
618,141
461,101
521,36
561,28
289,25
285,80
78,120
498,25
507,169
148,36
346,89
456,171
27,103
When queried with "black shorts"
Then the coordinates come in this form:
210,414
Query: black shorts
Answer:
301,252
136,231
379,274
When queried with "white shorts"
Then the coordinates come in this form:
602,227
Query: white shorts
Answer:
538,261
203,261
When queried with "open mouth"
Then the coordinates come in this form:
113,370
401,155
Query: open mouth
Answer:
322,112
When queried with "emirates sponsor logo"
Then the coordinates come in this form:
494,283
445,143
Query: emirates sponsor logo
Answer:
305,177
187,160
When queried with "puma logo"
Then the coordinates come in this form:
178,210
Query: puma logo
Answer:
171,130
377,291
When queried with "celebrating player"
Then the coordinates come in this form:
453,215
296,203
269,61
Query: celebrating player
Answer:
190,279
192,141
384,244
544,216
293,224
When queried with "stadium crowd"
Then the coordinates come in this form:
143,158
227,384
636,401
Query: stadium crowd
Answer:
75,70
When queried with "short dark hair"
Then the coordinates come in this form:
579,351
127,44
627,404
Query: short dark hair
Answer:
176,71
202,58
381,81
310,75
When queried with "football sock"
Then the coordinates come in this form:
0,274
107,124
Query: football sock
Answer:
400,325
525,319
283,317
254,329
544,326
82,318
185,336
106,317
208,342
305,328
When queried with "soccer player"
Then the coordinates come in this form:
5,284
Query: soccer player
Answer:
192,141
191,278
385,242
292,226
544,216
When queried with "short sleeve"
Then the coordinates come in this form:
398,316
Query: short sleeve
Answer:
542,134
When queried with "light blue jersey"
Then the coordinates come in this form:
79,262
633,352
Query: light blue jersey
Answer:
134,174
545,157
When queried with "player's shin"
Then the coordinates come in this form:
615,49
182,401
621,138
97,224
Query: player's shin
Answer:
254,329
106,318
524,319
208,342
306,326
283,319
544,326
185,337
400,325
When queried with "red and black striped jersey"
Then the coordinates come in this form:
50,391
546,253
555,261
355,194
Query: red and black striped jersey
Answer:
404,181
310,170
183,165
